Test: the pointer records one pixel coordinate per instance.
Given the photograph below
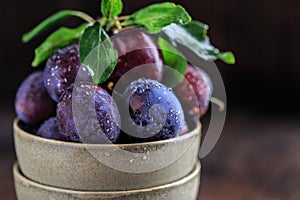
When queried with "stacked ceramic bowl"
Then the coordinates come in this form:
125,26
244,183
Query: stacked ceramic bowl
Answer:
55,170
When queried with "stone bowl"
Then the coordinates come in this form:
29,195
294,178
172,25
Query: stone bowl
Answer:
183,189
106,167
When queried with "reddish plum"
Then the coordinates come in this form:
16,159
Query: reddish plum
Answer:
195,91
136,48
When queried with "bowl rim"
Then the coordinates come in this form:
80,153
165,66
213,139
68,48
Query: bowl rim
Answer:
17,129
18,175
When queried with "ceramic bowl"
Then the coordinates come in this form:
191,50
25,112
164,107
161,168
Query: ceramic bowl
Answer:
106,167
183,189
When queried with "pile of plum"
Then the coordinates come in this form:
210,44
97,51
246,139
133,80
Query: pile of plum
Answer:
146,110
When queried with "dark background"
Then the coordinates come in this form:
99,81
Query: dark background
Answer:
264,35
262,87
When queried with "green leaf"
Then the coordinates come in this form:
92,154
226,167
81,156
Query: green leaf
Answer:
52,20
191,36
174,59
197,29
97,53
90,38
157,16
227,57
111,8
57,40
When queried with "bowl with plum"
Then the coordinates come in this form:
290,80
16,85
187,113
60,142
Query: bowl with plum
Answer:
85,141
113,113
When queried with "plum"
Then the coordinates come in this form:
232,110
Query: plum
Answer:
195,92
61,71
87,113
136,48
49,129
154,111
33,105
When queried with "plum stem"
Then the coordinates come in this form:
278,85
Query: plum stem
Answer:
115,24
127,28
219,103
118,24
121,18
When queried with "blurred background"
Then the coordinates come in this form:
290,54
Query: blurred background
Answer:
257,156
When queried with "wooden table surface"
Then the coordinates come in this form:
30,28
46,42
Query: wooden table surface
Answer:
255,159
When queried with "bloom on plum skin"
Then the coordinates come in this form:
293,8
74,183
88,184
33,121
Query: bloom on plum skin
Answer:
87,113
62,69
154,106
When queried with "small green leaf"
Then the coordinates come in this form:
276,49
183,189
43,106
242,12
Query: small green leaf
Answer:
174,59
157,16
191,36
52,20
97,53
57,40
111,8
